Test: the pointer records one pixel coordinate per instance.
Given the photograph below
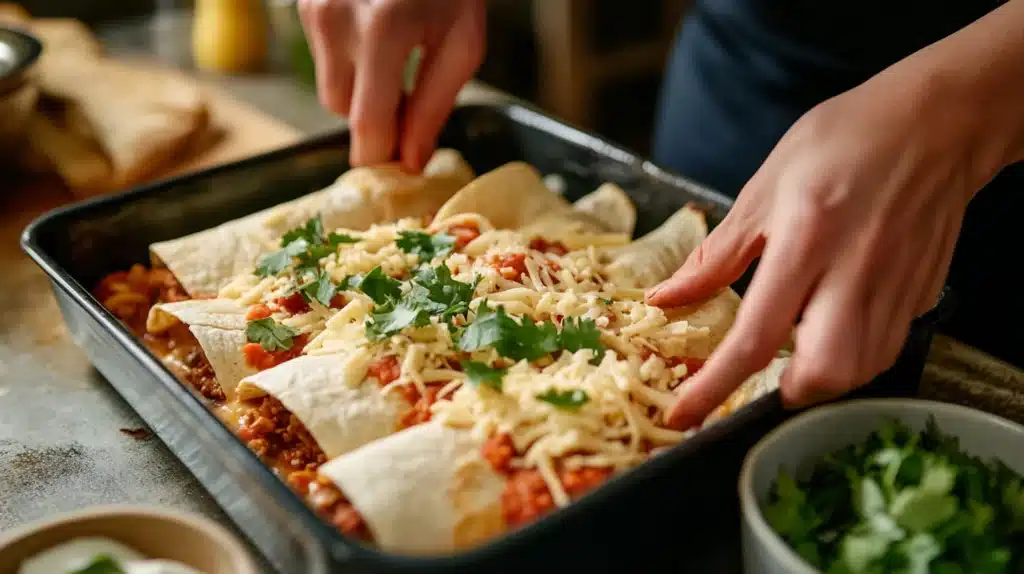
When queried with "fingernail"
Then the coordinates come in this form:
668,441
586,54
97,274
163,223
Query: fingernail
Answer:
653,291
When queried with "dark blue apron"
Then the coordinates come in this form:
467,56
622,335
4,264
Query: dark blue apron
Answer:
744,70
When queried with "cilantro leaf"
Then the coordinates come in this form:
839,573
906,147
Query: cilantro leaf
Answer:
102,564
424,245
278,261
321,290
335,239
522,340
380,287
481,374
312,232
448,296
486,330
390,318
579,334
271,335
350,282
566,400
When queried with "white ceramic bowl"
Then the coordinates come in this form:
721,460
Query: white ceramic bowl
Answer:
193,540
799,444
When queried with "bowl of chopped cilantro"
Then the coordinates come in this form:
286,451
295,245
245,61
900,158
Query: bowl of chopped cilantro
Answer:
885,485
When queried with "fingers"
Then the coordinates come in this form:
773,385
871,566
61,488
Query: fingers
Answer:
827,361
788,271
717,262
386,45
446,67
328,27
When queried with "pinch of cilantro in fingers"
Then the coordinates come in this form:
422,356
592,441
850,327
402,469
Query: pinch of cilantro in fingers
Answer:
903,501
270,334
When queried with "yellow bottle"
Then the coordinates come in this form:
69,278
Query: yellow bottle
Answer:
229,36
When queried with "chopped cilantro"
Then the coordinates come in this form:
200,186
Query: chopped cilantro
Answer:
336,239
526,339
447,296
312,232
102,564
307,245
517,341
567,400
380,287
605,301
579,334
481,374
424,245
271,335
391,317
321,290
350,282
278,261
902,501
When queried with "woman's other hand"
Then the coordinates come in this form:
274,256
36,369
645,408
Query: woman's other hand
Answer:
854,215
361,48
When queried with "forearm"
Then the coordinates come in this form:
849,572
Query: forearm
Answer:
981,70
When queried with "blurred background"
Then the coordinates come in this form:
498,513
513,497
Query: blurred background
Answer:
597,63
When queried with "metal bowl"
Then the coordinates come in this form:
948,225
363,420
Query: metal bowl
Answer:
18,52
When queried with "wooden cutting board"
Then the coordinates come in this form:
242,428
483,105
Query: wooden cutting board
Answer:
237,131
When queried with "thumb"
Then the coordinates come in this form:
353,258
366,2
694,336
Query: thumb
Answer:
716,263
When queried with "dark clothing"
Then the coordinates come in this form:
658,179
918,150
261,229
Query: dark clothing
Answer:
743,71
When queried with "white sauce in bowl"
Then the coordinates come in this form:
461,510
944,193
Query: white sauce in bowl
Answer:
75,555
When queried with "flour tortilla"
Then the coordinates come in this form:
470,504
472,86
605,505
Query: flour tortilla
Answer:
610,207
205,261
332,397
416,494
757,386
654,257
512,196
717,314
219,327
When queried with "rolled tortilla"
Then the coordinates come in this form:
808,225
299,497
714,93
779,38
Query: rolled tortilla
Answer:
427,490
219,327
717,314
610,207
654,257
203,262
424,490
332,397
757,386
512,196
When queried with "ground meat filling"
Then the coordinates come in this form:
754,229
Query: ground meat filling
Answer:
130,295
329,503
526,496
274,433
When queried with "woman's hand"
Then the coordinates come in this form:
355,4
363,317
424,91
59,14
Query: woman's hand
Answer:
854,215
361,47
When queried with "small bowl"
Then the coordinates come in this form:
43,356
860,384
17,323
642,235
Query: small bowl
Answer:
799,444
18,52
156,533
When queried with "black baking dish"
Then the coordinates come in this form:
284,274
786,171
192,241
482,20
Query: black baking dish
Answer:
671,510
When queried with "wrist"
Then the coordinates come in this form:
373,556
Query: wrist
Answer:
975,75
